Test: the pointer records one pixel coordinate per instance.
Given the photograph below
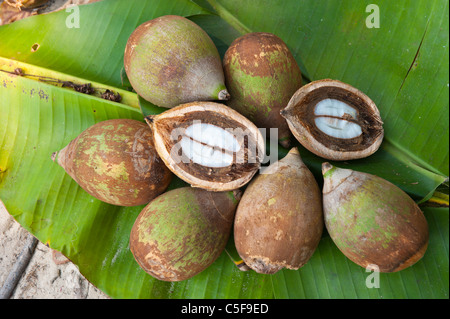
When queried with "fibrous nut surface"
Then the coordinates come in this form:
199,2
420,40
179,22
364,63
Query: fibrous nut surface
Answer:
116,162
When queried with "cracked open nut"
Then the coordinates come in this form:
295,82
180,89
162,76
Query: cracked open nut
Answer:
334,120
208,145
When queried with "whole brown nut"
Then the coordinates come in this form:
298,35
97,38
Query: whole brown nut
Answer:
182,232
372,221
116,162
279,219
170,60
261,75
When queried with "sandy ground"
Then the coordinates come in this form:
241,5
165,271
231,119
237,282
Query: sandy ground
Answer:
48,274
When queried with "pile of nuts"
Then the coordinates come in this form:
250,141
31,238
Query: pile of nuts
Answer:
210,137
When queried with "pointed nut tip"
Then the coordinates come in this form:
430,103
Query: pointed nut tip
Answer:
294,150
149,119
284,112
224,95
326,167
54,155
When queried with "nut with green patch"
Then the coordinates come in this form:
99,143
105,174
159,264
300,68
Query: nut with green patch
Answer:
170,60
182,232
261,75
115,161
372,221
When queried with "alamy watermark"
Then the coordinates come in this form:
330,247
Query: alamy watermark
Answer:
373,279
73,19
373,19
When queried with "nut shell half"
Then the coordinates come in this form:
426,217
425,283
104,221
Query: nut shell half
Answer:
208,145
342,109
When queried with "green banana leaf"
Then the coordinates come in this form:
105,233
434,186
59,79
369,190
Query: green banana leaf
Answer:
402,66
